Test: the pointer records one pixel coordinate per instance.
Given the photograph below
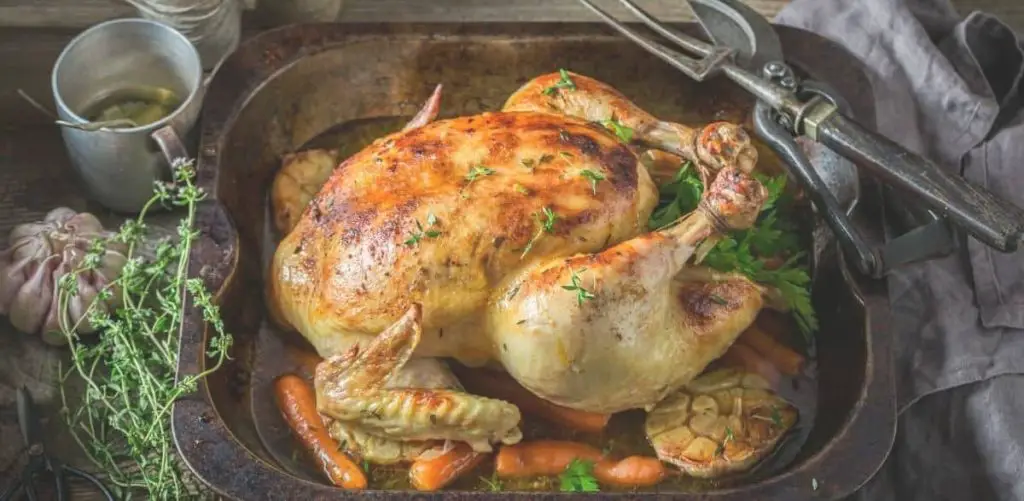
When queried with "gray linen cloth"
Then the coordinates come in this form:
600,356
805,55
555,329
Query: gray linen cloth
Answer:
949,88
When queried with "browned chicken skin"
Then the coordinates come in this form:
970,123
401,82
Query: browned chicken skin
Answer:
497,227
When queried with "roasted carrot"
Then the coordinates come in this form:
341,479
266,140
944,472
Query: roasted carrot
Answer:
541,458
297,402
498,385
785,359
551,457
437,472
633,471
776,324
744,357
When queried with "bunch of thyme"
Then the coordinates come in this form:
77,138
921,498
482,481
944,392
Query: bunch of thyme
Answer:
123,420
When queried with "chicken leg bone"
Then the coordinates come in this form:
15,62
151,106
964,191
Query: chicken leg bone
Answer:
604,332
713,147
352,388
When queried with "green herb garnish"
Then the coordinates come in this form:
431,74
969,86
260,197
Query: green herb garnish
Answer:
776,416
521,189
547,225
528,163
478,171
746,251
564,83
718,299
621,131
576,286
493,484
594,177
545,158
123,422
579,477
416,236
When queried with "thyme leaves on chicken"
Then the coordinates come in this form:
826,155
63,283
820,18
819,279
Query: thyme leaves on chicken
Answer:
579,477
478,171
621,131
750,251
576,285
565,82
594,177
122,422
545,226
416,236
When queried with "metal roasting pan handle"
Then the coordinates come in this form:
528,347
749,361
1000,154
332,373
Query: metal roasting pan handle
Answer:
979,212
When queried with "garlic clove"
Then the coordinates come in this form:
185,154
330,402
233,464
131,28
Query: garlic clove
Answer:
33,301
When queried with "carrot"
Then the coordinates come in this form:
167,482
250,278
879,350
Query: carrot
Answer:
297,402
743,356
552,457
494,384
633,471
785,359
541,458
437,472
776,324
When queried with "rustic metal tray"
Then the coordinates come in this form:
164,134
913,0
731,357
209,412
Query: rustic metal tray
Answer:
285,87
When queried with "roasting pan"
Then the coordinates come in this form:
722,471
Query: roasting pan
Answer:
284,87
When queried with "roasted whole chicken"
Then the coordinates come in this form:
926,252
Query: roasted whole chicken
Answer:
515,240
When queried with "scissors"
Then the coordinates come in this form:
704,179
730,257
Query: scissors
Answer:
793,115
39,462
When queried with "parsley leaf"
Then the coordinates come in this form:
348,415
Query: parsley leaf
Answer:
594,177
564,83
747,251
624,133
678,197
579,477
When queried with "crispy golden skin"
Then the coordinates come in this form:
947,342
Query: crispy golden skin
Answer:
365,250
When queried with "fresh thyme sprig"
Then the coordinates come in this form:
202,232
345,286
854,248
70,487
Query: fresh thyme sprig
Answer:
478,171
416,236
576,285
123,420
545,226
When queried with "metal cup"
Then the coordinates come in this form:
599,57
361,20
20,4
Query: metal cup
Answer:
119,166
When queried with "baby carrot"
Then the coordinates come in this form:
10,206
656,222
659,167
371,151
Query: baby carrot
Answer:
552,457
541,458
437,472
297,401
633,471
744,357
787,360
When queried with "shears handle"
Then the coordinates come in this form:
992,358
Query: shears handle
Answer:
993,221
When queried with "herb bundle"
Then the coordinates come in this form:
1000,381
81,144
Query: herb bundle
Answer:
123,420
749,251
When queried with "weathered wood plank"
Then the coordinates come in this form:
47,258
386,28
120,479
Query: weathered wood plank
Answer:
82,13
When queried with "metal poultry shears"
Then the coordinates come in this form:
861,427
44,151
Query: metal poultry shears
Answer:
747,50
39,462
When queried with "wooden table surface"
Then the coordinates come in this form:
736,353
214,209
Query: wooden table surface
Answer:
81,13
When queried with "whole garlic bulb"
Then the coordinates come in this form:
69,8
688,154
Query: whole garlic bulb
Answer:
39,254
